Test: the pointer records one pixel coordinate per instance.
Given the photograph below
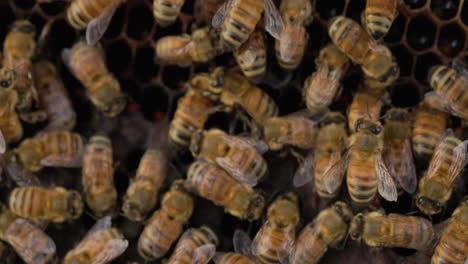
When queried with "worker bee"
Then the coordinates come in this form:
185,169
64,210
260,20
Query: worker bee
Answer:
231,258
251,56
195,246
322,86
98,176
238,19
376,60
204,10
293,37
449,89
167,223
428,129
55,149
10,125
327,230
185,49
447,163
378,17
54,204
141,195
87,64
30,242
213,183
452,246
166,11
240,159
398,155
379,230
53,96
331,142
101,244
94,16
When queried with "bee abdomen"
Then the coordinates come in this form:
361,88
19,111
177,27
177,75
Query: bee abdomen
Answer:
450,249
81,12
361,181
165,12
378,24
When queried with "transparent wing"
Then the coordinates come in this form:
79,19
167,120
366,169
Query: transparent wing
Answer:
437,157
102,224
249,57
333,176
437,101
306,171
218,257
257,247
407,176
258,144
386,185
285,247
241,176
21,176
242,243
203,254
459,160
460,66
98,26
3,143
273,20
113,249
57,160
221,14
311,238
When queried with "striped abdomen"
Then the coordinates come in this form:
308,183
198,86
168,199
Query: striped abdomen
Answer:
248,160
167,11
309,247
452,86
81,12
29,202
322,163
453,245
320,89
379,15
252,57
362,179
232,258
258,104
87,64
183,253
428,129
271,244
290,47
61,143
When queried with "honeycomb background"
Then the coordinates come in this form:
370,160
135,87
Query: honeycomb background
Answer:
426,33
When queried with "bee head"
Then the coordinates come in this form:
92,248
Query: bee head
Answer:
23,26
369,126
273,129
284,210
115,107
196,142
7,78
256,206
428,206
357,226
75,204
344,211
29,155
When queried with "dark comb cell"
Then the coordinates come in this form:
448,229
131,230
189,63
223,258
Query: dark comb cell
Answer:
445,9
24,4
154,101
329,8
118,56
144,67
53,8
415,4
451,40
405,95
140,22
423,64
396,31
404,59
174,76
421,33
355,9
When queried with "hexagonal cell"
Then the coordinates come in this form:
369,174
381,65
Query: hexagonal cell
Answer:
423,64
404,58
140,22
119,57
355,9
53,8
396,31
415,4
116,25
144,67
61,36
329,8
421,33
174,76
445,9
154,102
405,94
451,40
24,4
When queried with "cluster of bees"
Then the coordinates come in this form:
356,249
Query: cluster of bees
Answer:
375,160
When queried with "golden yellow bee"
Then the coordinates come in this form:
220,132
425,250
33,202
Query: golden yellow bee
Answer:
101,244
98,176
429,127
143,191
331,143
30,242
322,86
398,155
204,10
53,97
167,223
235,155
379,230
447,163
213,183
376,60
378,17
54,204
327,230
186,49
251,56
195,246
238,19
293,38
95,16
231,258
88,65
453,245
10,125
166,11
55,149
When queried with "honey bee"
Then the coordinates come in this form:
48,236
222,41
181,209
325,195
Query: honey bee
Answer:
53,96
87,64
10,125
55,149
195,246
321,87
185,49
215,184
327,230
30,242
376,60
238,19
167,223
447,163
98,176
251,56
452,246
398,155
102,244
378,17
141,195
331,142
293,38
379,230
166,11
366,172
240,159
54,204
204,10
94,16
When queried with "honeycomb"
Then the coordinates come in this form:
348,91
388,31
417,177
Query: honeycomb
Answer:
426,33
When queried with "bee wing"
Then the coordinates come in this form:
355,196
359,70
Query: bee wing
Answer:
235,172
242,243
98,26
306,171
21,176
460,66
258,144
407,176
2,143
437,101
102,224
437,157
334,174
203,254
459,161
273,21
66,58
386,185
284,249
220,15
113,249
257,247
57,160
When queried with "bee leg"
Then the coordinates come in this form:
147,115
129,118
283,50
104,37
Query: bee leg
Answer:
297,155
